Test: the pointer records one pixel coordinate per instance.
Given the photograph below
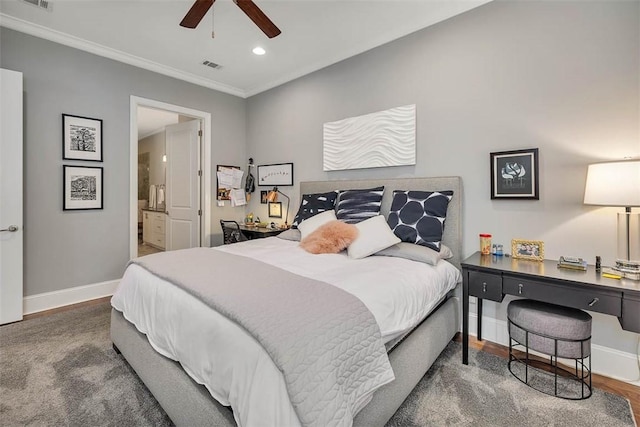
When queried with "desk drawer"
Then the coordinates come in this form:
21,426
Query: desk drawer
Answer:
602,301
485,286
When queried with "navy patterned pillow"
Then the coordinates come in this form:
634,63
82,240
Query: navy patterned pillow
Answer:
357,205
418,216
313,204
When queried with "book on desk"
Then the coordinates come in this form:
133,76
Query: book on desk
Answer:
572,263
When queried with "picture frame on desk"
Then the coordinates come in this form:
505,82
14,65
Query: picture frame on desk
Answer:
527,249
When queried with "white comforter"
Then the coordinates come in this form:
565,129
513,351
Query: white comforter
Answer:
236,370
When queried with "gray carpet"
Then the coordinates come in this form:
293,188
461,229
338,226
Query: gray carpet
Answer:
62,370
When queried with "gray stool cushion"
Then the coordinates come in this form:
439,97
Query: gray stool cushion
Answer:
561,323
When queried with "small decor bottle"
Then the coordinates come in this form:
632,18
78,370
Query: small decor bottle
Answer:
485,244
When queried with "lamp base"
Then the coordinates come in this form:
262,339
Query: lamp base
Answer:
629,236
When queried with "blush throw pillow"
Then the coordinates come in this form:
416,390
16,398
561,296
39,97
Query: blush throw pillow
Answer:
419,216
330,238
375,235
313,204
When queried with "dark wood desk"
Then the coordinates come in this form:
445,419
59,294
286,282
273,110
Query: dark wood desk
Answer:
492,277
259,232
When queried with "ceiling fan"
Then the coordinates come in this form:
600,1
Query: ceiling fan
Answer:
201,7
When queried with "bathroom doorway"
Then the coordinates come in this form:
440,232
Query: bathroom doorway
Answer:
157,223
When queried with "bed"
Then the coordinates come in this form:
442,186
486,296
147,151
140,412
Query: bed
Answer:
410,351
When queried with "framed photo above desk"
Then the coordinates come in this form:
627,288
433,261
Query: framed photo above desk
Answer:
279,175
514,174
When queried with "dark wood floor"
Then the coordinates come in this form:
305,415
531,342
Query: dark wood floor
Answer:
603,383
620,388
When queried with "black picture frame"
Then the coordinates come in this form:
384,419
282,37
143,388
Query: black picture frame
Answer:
263,196
83,188
514,174
81,138
276,175
275,209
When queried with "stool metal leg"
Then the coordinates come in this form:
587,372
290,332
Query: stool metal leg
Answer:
526,365
555,367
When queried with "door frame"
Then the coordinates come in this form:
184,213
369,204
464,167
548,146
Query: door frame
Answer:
205,165
12,186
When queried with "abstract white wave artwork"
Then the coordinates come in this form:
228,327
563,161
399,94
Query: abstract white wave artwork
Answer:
384,138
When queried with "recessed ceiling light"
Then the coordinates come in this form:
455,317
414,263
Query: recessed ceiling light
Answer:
259,51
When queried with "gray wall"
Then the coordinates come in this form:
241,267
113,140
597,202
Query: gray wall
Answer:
559,76
68,249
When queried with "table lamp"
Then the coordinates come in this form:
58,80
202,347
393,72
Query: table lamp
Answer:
272,197
618,184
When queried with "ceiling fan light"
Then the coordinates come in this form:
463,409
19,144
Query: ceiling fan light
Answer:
259,51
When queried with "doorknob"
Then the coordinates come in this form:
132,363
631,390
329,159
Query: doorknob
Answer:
11,229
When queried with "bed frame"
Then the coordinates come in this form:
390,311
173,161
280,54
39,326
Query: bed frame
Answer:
190,404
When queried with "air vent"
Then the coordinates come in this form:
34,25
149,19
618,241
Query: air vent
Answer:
41,4
212,65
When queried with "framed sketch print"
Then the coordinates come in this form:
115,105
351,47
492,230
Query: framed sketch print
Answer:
82,188
81,138
279,175
275,209
527,249
514,174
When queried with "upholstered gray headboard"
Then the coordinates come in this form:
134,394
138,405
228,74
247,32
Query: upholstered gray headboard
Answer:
453,226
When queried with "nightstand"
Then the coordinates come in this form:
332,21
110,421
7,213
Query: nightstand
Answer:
491,277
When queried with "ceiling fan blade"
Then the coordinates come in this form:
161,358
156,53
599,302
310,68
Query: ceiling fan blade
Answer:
258,17
196,13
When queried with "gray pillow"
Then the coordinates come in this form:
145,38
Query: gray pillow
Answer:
290,234
417,253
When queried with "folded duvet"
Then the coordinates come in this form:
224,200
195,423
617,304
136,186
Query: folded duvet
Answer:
324,340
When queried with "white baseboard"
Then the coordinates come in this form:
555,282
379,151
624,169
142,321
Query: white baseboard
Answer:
605,361
55,299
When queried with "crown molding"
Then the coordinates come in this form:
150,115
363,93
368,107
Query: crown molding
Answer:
97,49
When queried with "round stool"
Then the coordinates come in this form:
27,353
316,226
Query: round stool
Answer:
557,332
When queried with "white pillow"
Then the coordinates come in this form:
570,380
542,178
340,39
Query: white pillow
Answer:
375,235
310,225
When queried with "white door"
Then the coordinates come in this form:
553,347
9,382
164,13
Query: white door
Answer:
11,265
183,185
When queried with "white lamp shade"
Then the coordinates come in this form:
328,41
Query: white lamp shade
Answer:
613,184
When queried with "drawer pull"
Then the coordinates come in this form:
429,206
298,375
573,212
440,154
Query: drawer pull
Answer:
520,286
484,286
592,303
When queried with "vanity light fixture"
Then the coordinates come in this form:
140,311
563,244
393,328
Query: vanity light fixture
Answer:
259,51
